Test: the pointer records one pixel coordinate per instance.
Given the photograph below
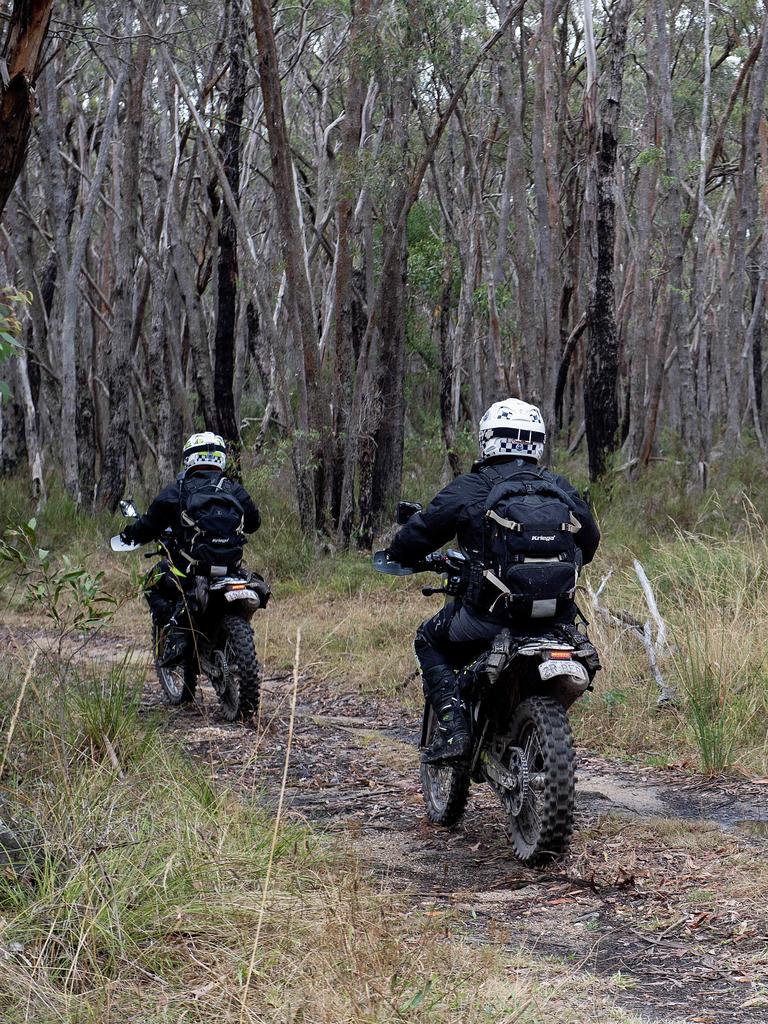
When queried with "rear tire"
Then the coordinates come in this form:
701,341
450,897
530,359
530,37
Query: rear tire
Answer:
445,789
242,688
180,681
542,830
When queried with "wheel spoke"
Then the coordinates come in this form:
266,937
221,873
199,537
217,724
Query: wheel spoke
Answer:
532,805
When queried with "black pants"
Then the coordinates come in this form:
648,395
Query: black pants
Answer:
457,635
163,591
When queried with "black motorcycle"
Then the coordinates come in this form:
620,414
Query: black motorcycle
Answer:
517,694
218,612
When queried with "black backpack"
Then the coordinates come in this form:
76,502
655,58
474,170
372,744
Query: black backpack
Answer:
530,561
212,524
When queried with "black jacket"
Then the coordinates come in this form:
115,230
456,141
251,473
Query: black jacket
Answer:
165,512
457,511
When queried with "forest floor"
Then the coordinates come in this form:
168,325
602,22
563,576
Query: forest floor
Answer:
663,896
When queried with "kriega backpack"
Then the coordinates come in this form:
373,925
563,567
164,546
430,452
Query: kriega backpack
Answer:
212,524
530,561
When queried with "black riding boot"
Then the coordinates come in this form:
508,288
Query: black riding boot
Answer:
452,740
176,641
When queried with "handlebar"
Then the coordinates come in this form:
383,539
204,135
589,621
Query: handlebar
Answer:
451,562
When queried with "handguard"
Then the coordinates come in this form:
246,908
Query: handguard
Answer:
382,563
118,544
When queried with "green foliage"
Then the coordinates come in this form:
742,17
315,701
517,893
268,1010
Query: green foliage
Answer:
705,706
105,711
426,253
650,155
70,596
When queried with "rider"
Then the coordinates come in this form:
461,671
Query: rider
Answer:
512,437
204,460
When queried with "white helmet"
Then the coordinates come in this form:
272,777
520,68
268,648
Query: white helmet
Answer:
512,428
206,449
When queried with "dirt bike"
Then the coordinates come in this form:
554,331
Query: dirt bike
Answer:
218,612
517,695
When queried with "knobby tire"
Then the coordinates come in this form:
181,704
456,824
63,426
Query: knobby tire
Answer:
240,698
445,789
542,831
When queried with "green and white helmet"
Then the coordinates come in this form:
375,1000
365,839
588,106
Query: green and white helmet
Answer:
206,449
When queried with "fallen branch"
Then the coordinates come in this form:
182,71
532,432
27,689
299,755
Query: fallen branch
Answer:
655,650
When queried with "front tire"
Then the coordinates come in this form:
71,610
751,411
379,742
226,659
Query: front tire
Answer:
542,829
178,682
445,789
241,688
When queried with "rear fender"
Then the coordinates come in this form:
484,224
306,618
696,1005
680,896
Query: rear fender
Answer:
564,689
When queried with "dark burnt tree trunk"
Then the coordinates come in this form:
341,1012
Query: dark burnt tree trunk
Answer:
386,427
447,369
601,407
757,340
21,53
227,298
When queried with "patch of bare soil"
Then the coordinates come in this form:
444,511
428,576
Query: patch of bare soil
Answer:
664,891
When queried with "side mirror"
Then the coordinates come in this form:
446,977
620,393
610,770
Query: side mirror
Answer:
128,509
406,509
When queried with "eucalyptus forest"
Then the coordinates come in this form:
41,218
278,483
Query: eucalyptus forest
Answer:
335,232
340,224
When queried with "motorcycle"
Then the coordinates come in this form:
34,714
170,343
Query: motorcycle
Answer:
218,612
517,695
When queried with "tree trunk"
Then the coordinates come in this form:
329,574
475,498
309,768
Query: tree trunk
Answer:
600,384
227,297
111,484
22,57
69,374
344,355
312,442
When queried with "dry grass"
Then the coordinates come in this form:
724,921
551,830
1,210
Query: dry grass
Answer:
711,592
137,896
358,629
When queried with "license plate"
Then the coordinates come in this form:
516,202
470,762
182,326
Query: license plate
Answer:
239,595
548,669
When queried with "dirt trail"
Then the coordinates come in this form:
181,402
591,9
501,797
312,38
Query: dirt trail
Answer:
657,892
353,770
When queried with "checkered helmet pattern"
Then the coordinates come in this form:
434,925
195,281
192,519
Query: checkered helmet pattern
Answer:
205,449
514,428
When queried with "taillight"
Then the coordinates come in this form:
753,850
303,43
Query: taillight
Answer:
236,586
560,655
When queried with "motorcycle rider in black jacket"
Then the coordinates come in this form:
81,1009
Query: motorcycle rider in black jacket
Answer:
512,437
164,586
